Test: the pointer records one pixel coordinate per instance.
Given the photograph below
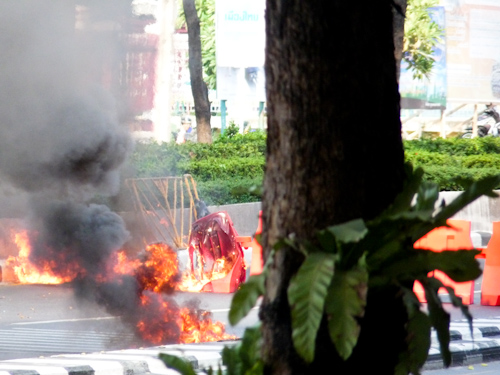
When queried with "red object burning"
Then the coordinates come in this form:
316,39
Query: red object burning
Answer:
216,258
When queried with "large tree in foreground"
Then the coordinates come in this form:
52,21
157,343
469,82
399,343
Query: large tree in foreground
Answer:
341,210
334,154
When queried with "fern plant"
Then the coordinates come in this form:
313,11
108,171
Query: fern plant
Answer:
349,258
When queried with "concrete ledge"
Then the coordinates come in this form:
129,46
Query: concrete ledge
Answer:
121,362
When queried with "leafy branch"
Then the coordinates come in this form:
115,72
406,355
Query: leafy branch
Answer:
421,35
348,259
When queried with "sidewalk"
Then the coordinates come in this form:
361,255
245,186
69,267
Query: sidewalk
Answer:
483,346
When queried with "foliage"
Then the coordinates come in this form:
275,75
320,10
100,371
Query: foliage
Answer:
237,190
421,35
455,146
206,14
228,171
347,259
447,161
232,168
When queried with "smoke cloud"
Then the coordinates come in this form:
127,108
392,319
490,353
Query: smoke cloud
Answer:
59,129
61,141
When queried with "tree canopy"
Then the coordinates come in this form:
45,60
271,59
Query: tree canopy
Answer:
421,35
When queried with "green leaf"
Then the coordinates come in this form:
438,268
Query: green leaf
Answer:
404,199
306,295
327,241
419,342
440,319
246,297
459,265
345,303
177,363
231,360
427,197
351,231
250,347
457,302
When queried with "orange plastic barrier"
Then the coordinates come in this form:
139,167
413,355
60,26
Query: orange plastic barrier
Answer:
444,238
257,261
229,283
490,286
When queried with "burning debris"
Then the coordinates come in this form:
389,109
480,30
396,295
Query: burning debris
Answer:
138,289
216,258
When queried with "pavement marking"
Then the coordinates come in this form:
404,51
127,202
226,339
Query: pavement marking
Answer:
65,320
227,310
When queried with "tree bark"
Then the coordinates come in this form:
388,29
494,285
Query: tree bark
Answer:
399,13
334,153
198,85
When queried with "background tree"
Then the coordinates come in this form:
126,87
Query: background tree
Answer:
415,35
206,14
421,35
198,85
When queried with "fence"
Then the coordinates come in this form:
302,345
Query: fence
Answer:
443,123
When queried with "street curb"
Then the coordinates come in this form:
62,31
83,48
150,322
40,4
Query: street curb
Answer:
466,349
482,346
119,362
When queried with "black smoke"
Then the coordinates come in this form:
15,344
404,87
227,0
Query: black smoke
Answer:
62,138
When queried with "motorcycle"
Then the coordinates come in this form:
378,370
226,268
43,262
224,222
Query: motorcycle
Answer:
488,123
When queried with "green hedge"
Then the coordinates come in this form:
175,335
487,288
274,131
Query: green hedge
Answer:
228,170
449,161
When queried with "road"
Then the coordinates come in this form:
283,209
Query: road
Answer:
476,369
42,320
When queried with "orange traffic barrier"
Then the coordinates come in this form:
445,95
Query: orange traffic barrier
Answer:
257,260
444,238
230,282
490,286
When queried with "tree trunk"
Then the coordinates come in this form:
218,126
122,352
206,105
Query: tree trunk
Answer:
334,153
198,85
399,12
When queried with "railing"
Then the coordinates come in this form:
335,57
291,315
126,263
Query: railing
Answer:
167,207
445,124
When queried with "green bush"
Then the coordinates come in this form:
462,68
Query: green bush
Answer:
224,170
424,157
455,146
220,192
228,169
481,161
452,178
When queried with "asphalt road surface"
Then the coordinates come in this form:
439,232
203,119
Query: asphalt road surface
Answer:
491,368
42,320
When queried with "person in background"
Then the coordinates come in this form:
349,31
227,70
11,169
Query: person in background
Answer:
185,129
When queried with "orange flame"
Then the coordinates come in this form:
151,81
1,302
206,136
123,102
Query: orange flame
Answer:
157,270
186,325
197,326
25,272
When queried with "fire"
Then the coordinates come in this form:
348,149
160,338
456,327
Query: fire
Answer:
159,269
26,272
174,324
197,280
197,326
158,319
